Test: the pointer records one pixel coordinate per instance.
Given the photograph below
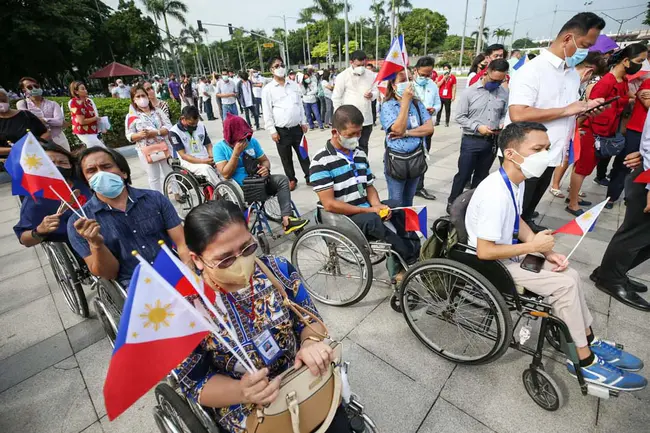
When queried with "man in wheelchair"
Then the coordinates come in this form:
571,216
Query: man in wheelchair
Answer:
239,156
497,231
341,176
190,140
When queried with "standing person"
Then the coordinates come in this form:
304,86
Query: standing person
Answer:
14,124
205,92
174,88
355,86
515,55
478,63
227,92
247,99
157,103
214,82
328,87
447,86
49,112
121,90
545,90
186,92
373,105
493,52
285,120
258,82
407,123
148,126
309,89
481,114
84,115
426,91
605,126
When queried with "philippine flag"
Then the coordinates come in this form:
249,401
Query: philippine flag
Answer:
643,177
396,60
574,147
158,330
304,147
584,223
33,172
416,219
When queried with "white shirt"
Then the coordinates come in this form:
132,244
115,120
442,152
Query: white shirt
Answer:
545,82
224,87
350,88
204,88
282,106
247,93
326,92
257,91
123,92
491,214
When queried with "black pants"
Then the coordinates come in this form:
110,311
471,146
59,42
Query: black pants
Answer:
258,105
290,139
340,423
620,171
476,158
252,109
630,246
278,185
365,138
373,104
427,143
534,191
207,108
601,168
446,104
406,244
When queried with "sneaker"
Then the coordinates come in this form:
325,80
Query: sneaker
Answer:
294,224
608,352
606,375
601,182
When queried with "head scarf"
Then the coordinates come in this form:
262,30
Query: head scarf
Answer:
235,129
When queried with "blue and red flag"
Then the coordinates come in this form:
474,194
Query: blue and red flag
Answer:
416,219
521,62
574,147
304,147
396,60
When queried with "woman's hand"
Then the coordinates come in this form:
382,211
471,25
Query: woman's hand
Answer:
316,355
408,94
257,389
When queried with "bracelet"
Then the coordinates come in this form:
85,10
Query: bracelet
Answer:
312,338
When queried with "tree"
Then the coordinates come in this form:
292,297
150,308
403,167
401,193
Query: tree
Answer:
485,35
395,7
414,29
647,16
321,50
329,10
196,37
377,9
523,43
175,9
453,43
501,34
306,17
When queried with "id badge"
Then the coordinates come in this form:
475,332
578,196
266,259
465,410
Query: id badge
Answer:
361,189
413,120
444,92
193,146
267,347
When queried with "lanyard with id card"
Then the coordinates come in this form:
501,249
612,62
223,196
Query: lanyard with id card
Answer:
194,146
353,166
413,120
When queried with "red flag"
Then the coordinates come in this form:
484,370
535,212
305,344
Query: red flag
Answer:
643,177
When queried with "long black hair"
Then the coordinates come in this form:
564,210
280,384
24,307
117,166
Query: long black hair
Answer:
477,61
632,51
206,220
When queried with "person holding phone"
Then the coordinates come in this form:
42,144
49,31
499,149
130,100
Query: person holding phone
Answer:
498,232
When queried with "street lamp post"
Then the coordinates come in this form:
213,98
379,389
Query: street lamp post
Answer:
462,40
347,47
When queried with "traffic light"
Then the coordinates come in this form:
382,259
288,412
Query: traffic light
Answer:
230,29
200,24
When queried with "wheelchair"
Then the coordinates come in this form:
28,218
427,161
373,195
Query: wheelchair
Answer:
174,413
462,308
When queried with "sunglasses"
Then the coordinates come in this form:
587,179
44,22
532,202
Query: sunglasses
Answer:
228,261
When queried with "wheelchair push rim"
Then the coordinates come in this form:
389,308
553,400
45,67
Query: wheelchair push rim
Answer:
455,311
176,412
67,277
183,192
316,254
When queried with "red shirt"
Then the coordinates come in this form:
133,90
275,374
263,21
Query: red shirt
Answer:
637,120
434,75
446,86
87,110
606,123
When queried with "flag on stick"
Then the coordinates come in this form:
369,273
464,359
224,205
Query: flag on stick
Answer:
396,60
643,177
304,147
416,219
574,146
584,223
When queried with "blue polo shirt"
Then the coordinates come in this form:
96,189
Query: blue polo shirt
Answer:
147,217
222,152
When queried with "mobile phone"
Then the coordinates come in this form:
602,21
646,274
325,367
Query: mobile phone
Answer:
609,101
533,263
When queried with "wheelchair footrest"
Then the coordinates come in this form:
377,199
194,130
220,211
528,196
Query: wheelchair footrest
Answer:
601,391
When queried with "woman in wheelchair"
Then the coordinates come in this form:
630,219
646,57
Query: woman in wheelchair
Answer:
239,156
495,228
273,337
190,140
46,220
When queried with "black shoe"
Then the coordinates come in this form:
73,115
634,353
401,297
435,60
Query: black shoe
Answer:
575,213
621,293
580,203
535,214
636,286
535,227
601,182
609,205
425,194
447,125
294,224
437,124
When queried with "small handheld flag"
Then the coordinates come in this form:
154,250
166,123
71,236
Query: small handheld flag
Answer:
304,147
643,177
396,60
574,147
582,225
416,219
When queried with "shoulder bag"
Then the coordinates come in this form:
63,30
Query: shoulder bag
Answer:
306,403
407,165
157,151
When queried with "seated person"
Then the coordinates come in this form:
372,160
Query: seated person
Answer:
42,219
121,219
239,156
491,223
190,140
341,176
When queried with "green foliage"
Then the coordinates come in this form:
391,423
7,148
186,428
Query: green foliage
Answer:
414,26
453,42
320,50
452,58
523,43
647,16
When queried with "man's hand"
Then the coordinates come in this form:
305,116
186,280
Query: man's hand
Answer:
394,136
543,242
49,224
643,94
581,107
275,137
240,146
633,160
305,128
485,130
647,203
380,210
257,389
431,110
262,171
90,231
368,95
558,260
317,356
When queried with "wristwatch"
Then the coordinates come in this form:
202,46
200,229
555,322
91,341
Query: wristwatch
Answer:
38,236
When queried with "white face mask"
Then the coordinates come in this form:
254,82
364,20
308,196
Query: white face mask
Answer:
358,70
4,107
534,165
349,143
142,102
279,72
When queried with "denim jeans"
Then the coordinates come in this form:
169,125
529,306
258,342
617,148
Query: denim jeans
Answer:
229,108
312,107
402,191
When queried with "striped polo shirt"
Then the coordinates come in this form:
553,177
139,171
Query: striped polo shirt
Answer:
334,169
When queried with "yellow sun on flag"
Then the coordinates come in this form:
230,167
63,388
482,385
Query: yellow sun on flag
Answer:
157,315
587,215
395,54
32,161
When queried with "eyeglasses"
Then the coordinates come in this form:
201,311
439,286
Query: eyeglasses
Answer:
32,86
279,65
228,261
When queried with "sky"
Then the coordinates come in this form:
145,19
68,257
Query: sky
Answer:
535,18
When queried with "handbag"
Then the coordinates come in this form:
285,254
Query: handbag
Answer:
306,403
407,165
155,152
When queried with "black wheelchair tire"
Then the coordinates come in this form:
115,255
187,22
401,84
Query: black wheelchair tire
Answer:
499,349
271,215
548,384
190,184
264,244
166,395
553,336
234,194
109,318
64,270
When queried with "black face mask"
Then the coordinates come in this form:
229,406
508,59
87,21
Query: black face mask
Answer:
67,173
633,68
190,128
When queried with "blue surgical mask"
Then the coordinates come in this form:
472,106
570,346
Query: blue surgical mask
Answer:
577,57
421,81
401,87
107,184
491,86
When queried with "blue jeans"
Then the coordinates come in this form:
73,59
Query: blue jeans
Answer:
229,108
402,191
312,107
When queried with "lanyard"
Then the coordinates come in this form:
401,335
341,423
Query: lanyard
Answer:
350,159
515,232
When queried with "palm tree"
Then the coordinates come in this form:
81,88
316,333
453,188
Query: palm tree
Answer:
501,34
195,35
394,11
485,34
377,9
329,10
306,17
172,8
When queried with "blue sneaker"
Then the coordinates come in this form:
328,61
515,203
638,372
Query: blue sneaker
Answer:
608,376
608,352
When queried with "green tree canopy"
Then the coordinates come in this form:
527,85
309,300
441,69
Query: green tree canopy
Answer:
414,26
523,43
453,43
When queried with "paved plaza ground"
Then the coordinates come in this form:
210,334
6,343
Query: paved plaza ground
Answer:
53,363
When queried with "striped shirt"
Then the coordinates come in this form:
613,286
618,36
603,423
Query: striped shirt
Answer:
349,178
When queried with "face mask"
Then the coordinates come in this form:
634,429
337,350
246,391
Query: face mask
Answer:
190,128
358,70
239,272
491,86
4,107
421,81
535,164
35,92
349,143
142,102
107,184
445,72
633,68
577,57
307,80
279,72
401,87
225,78
65,172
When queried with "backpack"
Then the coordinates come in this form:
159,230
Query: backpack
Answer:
444,237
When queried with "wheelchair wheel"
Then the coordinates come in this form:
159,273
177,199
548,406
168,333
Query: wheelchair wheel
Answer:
63,266
542,389
226,191
317,255
455,311
176,413
109,318
553,336
272,209
263,241
183,192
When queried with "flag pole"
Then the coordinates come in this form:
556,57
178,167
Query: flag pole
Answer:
574,249
66,203
75,199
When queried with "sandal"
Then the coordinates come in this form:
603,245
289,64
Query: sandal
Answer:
556,193
580,203
576,213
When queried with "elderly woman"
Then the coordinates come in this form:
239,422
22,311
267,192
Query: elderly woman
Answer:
14,124
148,126
223,250
83,113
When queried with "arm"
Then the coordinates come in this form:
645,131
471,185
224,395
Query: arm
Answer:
400,125
530,242
193,159
453,92
312,91
339,90
333,205
373,196
228,168
58,119
178,238
437,103
462,117
267,107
